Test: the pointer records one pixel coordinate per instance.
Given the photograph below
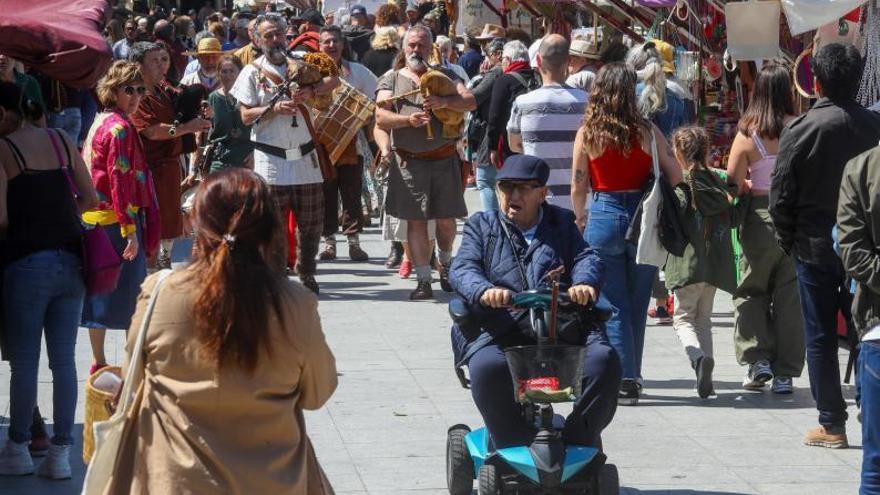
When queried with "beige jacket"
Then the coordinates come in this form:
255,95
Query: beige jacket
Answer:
196,431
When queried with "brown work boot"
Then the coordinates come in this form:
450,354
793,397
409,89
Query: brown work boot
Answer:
329,253
356,253
832,438
423,291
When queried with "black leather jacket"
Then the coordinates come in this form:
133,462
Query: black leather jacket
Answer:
813,150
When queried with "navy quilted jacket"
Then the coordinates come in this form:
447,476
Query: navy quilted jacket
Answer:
486,259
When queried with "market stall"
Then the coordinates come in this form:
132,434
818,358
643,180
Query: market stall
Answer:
720,45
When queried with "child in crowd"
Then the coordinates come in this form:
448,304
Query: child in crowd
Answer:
707,263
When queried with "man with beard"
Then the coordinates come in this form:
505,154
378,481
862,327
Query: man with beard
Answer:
349,179
163,138
427,183
208,52
284,152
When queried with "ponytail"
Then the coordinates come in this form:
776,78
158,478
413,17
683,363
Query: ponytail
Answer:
653,98
238,278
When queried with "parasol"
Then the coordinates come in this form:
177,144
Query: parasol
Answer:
60,38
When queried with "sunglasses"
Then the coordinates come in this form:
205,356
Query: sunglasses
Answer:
131,90
520,187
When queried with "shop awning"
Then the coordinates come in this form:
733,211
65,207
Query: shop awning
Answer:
60,38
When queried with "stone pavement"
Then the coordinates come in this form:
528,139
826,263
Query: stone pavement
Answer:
384,430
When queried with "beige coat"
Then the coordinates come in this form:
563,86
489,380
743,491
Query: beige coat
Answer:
197,431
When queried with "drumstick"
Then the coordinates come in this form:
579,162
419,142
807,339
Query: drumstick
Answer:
399,97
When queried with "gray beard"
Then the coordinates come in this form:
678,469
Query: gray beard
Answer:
276,55
416,64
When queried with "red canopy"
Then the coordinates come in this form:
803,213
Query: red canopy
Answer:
60,38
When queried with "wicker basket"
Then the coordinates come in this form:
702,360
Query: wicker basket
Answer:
96,409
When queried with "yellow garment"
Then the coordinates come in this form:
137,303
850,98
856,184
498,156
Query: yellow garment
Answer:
108,217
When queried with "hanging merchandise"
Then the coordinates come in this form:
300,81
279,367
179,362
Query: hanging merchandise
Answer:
752,30
657,4
712,70
686,65
802,74
805,15
869,88
844,30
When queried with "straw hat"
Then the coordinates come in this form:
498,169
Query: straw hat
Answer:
584,49
490,32
207,46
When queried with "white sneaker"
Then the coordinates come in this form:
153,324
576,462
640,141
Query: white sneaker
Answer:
57,463
782,385
15,460
758,374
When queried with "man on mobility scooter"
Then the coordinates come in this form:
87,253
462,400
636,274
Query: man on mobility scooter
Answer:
504,257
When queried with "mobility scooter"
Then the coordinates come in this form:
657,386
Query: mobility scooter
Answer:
547,373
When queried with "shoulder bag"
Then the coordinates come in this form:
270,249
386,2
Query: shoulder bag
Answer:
109,434
102,265
650,250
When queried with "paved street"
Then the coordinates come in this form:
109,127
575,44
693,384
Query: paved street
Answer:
383,432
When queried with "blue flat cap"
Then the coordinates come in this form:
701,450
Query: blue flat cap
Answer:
524,167
357,9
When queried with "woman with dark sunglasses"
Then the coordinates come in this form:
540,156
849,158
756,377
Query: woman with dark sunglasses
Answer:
126,200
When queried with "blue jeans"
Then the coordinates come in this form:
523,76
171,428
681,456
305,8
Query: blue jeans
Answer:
820,290
869,365
627,284
486,173
43,291
69,121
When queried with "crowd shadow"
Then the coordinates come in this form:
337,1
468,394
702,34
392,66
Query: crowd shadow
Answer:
674,491
729,394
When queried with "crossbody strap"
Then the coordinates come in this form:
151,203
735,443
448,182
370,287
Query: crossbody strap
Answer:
136,365
519,262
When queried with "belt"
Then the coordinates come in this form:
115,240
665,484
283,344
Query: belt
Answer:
276,151
445,151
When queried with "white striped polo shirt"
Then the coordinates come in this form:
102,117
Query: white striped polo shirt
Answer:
548,119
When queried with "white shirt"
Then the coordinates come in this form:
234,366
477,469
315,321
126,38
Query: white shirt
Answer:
873,334
361,78
198,78
276,130
583,80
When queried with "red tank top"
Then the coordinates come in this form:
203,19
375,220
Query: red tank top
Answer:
614,171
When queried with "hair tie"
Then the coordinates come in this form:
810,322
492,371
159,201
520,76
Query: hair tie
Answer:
229,240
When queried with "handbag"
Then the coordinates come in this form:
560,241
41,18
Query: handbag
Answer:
109,434
650,250
101,263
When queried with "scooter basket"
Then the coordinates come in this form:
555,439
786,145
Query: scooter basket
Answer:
546,373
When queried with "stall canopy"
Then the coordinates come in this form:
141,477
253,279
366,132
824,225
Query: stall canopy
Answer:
60,38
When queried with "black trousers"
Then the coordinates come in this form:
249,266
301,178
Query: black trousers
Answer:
493,392
348,183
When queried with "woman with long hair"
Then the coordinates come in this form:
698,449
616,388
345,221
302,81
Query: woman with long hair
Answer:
115,156
612,158
656,101
43,285
231,341
768,336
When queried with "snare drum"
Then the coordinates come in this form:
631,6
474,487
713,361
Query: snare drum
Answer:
338,124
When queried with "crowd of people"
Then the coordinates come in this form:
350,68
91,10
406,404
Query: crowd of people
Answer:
561,137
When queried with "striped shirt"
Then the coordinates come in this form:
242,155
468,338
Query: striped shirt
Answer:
548,119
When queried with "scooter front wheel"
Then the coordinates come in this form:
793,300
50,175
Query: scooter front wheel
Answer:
459,465
490,482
